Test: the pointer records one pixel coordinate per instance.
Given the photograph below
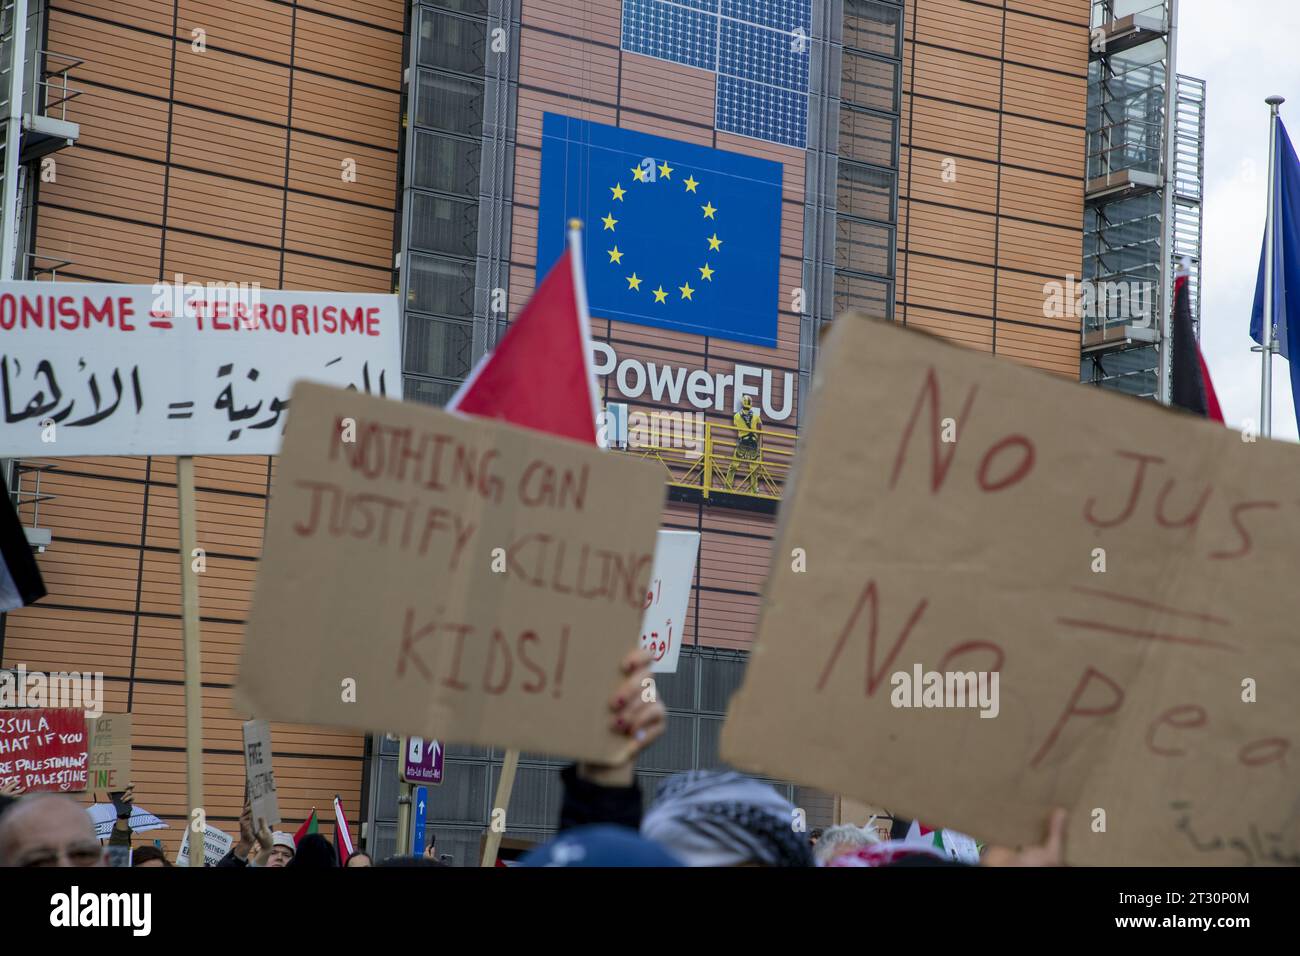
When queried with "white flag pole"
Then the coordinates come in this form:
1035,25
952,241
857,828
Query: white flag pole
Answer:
1269,319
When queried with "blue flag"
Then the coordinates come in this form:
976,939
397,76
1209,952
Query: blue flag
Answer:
676,236
1286,262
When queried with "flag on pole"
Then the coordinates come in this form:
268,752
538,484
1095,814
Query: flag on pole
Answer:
1190,384
309,825
342,838
20,578
1284,166
540,375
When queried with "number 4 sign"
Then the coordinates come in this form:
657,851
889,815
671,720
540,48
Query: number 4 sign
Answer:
421,761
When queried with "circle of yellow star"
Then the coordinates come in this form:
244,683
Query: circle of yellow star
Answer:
618,191
691,184
714,242
634,282
609,221
660,294
686,291
709,210
706,273
615,255
665,170
638,174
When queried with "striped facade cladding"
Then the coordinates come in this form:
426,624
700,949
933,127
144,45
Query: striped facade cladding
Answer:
992,173
219,155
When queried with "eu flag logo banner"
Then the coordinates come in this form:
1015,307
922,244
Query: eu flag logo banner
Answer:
677,236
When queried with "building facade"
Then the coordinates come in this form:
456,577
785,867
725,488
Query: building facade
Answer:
932,171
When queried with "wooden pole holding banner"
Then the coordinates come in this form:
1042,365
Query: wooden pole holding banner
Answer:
190,642
502,801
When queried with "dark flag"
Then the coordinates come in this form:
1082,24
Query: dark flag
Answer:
1190,385
20,579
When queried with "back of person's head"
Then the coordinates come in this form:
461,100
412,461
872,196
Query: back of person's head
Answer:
723,818
359,859
842,838
314,851
48,829
600,844
149,855
405,861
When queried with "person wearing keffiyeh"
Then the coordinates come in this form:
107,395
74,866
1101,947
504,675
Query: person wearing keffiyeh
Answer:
723,818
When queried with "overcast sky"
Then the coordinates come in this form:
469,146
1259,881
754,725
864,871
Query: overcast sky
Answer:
1244,50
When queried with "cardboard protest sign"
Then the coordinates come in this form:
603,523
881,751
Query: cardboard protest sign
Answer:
260,775
110,751
90,368
216,844
44,749
1094,593
446,576
664,619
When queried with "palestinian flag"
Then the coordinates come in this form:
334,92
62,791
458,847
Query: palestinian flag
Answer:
309,825
1189,386
342,838
20,579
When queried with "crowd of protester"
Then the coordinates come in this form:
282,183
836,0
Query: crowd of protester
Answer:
698,818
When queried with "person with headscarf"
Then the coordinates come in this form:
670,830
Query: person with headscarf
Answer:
724,818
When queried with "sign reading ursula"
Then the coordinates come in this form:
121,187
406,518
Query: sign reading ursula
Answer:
681,236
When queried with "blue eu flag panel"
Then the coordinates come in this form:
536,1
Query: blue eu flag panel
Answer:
676,236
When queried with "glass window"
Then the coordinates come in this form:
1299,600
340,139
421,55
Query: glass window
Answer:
443,286
872,296
446,164
863,247
869,82
873,27
477,8
867,137
449,103
865,193
429,393
452,42
441,224
438,346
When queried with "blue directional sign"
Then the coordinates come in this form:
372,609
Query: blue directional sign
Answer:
419,801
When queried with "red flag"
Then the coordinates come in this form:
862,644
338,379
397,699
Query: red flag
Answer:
539,375
1190,385
342,838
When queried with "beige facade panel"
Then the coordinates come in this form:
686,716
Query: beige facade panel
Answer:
123,122
257,28
981,77
342,48
114,56
229,83
104,184
569,66
956,24
343,110
103,250
316,165
656,86
207,259
596,20
228,146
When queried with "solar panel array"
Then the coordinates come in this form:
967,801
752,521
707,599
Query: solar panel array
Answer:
759,49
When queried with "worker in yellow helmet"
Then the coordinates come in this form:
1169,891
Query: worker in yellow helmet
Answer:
748,427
